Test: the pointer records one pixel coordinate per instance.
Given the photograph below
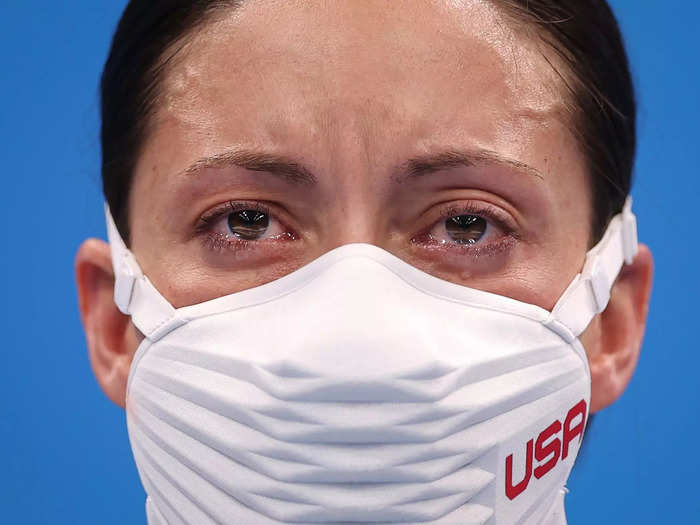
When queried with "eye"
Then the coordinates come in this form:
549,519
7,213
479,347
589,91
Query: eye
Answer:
467,232
466,229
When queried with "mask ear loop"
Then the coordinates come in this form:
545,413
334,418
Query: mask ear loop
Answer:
589,292
134,294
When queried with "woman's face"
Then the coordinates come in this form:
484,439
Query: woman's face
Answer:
430,129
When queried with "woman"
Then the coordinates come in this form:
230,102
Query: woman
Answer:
357,251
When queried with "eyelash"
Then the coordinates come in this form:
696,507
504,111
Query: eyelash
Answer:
495,217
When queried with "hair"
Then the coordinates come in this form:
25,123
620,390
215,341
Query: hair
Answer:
583,34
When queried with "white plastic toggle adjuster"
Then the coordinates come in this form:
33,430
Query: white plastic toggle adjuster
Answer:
125,279
599,284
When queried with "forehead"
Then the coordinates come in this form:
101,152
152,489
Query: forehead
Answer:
382,72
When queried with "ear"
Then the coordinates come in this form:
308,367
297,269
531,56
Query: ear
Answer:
111,337
614,339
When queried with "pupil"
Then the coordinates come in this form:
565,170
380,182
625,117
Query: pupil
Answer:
466,229
248,224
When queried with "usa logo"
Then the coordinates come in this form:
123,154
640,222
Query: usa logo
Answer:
550,446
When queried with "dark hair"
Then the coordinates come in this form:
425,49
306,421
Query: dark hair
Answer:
586,39
583,34
149,35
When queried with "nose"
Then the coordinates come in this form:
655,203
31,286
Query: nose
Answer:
371,336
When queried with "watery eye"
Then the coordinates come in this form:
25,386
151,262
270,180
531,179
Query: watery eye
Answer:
248,224
466,229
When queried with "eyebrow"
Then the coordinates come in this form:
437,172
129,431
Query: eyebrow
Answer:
425,165
415,167
278,165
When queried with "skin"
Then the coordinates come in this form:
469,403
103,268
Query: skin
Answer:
352,91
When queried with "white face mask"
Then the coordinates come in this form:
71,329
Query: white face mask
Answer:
359,389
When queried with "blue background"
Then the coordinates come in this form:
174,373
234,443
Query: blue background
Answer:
65,453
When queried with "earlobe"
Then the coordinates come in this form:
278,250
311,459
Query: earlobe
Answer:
618,332
111,338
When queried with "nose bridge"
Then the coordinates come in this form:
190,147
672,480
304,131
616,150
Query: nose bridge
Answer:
358,172
355,219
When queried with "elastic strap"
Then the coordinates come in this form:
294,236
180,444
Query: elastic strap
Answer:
134,294
589,292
